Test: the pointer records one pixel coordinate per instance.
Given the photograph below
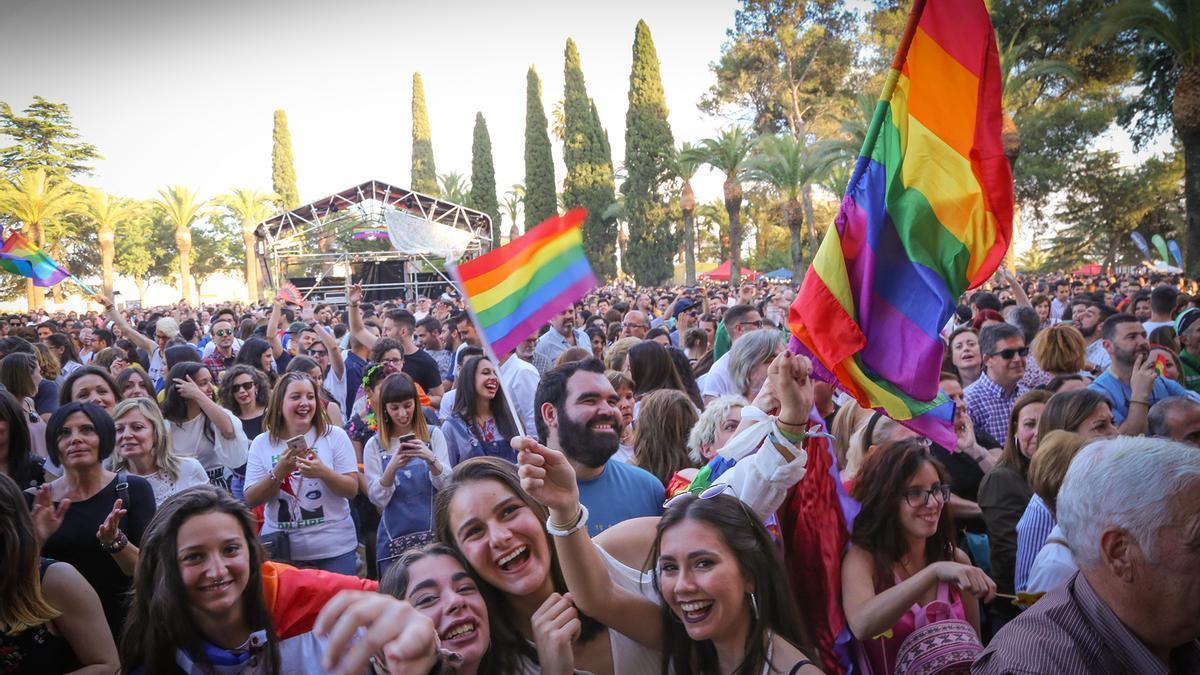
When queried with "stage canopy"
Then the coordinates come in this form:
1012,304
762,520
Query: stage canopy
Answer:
721,273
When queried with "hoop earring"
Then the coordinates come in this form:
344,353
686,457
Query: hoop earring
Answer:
754,605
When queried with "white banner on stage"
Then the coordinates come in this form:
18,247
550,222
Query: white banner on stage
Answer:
416,236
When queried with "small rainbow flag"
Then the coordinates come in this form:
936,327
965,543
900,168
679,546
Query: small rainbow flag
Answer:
516,288
927,214
22,257
368,230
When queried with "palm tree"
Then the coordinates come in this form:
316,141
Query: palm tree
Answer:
728,153
455,187
787,164
685,166
513,200
251,207
36,198
1175,26
107,212
181,207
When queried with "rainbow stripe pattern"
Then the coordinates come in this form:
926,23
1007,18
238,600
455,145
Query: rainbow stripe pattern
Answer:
22,257
927,215
516,288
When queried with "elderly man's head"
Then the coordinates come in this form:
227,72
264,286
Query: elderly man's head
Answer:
1130,511
1176,418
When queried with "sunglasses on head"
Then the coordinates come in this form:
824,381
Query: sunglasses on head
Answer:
1007,354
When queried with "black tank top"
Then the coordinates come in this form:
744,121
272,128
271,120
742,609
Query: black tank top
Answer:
36,650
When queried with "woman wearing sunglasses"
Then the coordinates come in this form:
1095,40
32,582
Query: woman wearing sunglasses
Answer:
902,556
244,392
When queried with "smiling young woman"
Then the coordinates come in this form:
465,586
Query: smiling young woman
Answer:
480,424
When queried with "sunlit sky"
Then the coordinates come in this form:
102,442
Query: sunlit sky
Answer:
183,92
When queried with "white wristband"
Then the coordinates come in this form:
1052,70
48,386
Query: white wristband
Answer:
579,525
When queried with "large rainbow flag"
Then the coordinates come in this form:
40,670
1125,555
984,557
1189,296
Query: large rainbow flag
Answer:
927,214
23,257
516,288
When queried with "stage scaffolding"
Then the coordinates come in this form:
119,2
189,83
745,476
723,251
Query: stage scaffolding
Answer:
314,245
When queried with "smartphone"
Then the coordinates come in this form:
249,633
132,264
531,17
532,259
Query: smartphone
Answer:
297,445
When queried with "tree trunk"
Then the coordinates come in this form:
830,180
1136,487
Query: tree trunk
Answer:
687,202
107,236
792,215
251,261
811,217
199,295
1191,190
183,240
36,295
140,282
733,206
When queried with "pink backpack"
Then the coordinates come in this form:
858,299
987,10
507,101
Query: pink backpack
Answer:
941,643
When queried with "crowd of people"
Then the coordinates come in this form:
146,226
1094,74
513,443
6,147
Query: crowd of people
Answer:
651,482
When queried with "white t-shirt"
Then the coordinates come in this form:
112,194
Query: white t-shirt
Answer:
191,474
379,494
337,387
520,380
317,519
630,656
718,383
1053,565
157,366
188,440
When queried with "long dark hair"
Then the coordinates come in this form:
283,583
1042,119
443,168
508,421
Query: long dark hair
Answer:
496,660
652,369
63,341
880,487
503,472
465,397
174,405
65,395
251,355
20,463
1012,457
160,621
759,562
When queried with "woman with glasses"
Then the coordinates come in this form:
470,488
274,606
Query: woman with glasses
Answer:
244,392
902,557
64,350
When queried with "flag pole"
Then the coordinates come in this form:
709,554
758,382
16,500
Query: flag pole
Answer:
487,346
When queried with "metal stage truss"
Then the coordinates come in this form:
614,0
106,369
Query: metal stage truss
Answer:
316,243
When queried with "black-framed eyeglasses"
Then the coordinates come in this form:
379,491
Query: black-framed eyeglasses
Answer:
756,324
317,352
917,498
1007,354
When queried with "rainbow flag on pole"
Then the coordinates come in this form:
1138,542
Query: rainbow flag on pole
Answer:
22,257
516,288
927,214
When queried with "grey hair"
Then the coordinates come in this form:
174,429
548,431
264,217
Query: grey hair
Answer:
750,350
704,431
168,326
1124,482
1157,419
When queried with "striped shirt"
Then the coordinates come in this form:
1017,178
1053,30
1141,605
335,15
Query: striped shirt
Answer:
1032,531
1071,631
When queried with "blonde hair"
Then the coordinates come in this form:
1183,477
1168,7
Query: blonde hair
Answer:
849,418
1060,349
660,440
1048,468
618,353
163,454
48,362
705,430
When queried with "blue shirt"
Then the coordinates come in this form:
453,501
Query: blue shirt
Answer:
1032,531
621,492
1119,393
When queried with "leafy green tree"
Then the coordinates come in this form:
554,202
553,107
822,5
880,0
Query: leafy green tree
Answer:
1169,72
181,206
685,166
589,180
729,153
649,152
787,164
454,187
712,231
44,137
248,207
1106,203
283,167
218,247
483,177
107,212
144,250
424,175
541,201
37,198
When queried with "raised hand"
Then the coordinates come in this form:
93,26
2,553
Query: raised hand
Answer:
188,389
355,293
47,517
359,625
547,476
109,530
789,377
1141,380
555,626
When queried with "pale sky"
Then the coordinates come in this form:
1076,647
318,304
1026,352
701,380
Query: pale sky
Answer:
183,92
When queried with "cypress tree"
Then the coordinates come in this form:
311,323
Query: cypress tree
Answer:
648,151
541,198
483,177
589,180
424,175
283,168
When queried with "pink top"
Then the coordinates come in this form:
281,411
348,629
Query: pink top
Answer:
876,654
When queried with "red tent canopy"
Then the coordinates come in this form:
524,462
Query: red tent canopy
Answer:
722,273
1090,270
